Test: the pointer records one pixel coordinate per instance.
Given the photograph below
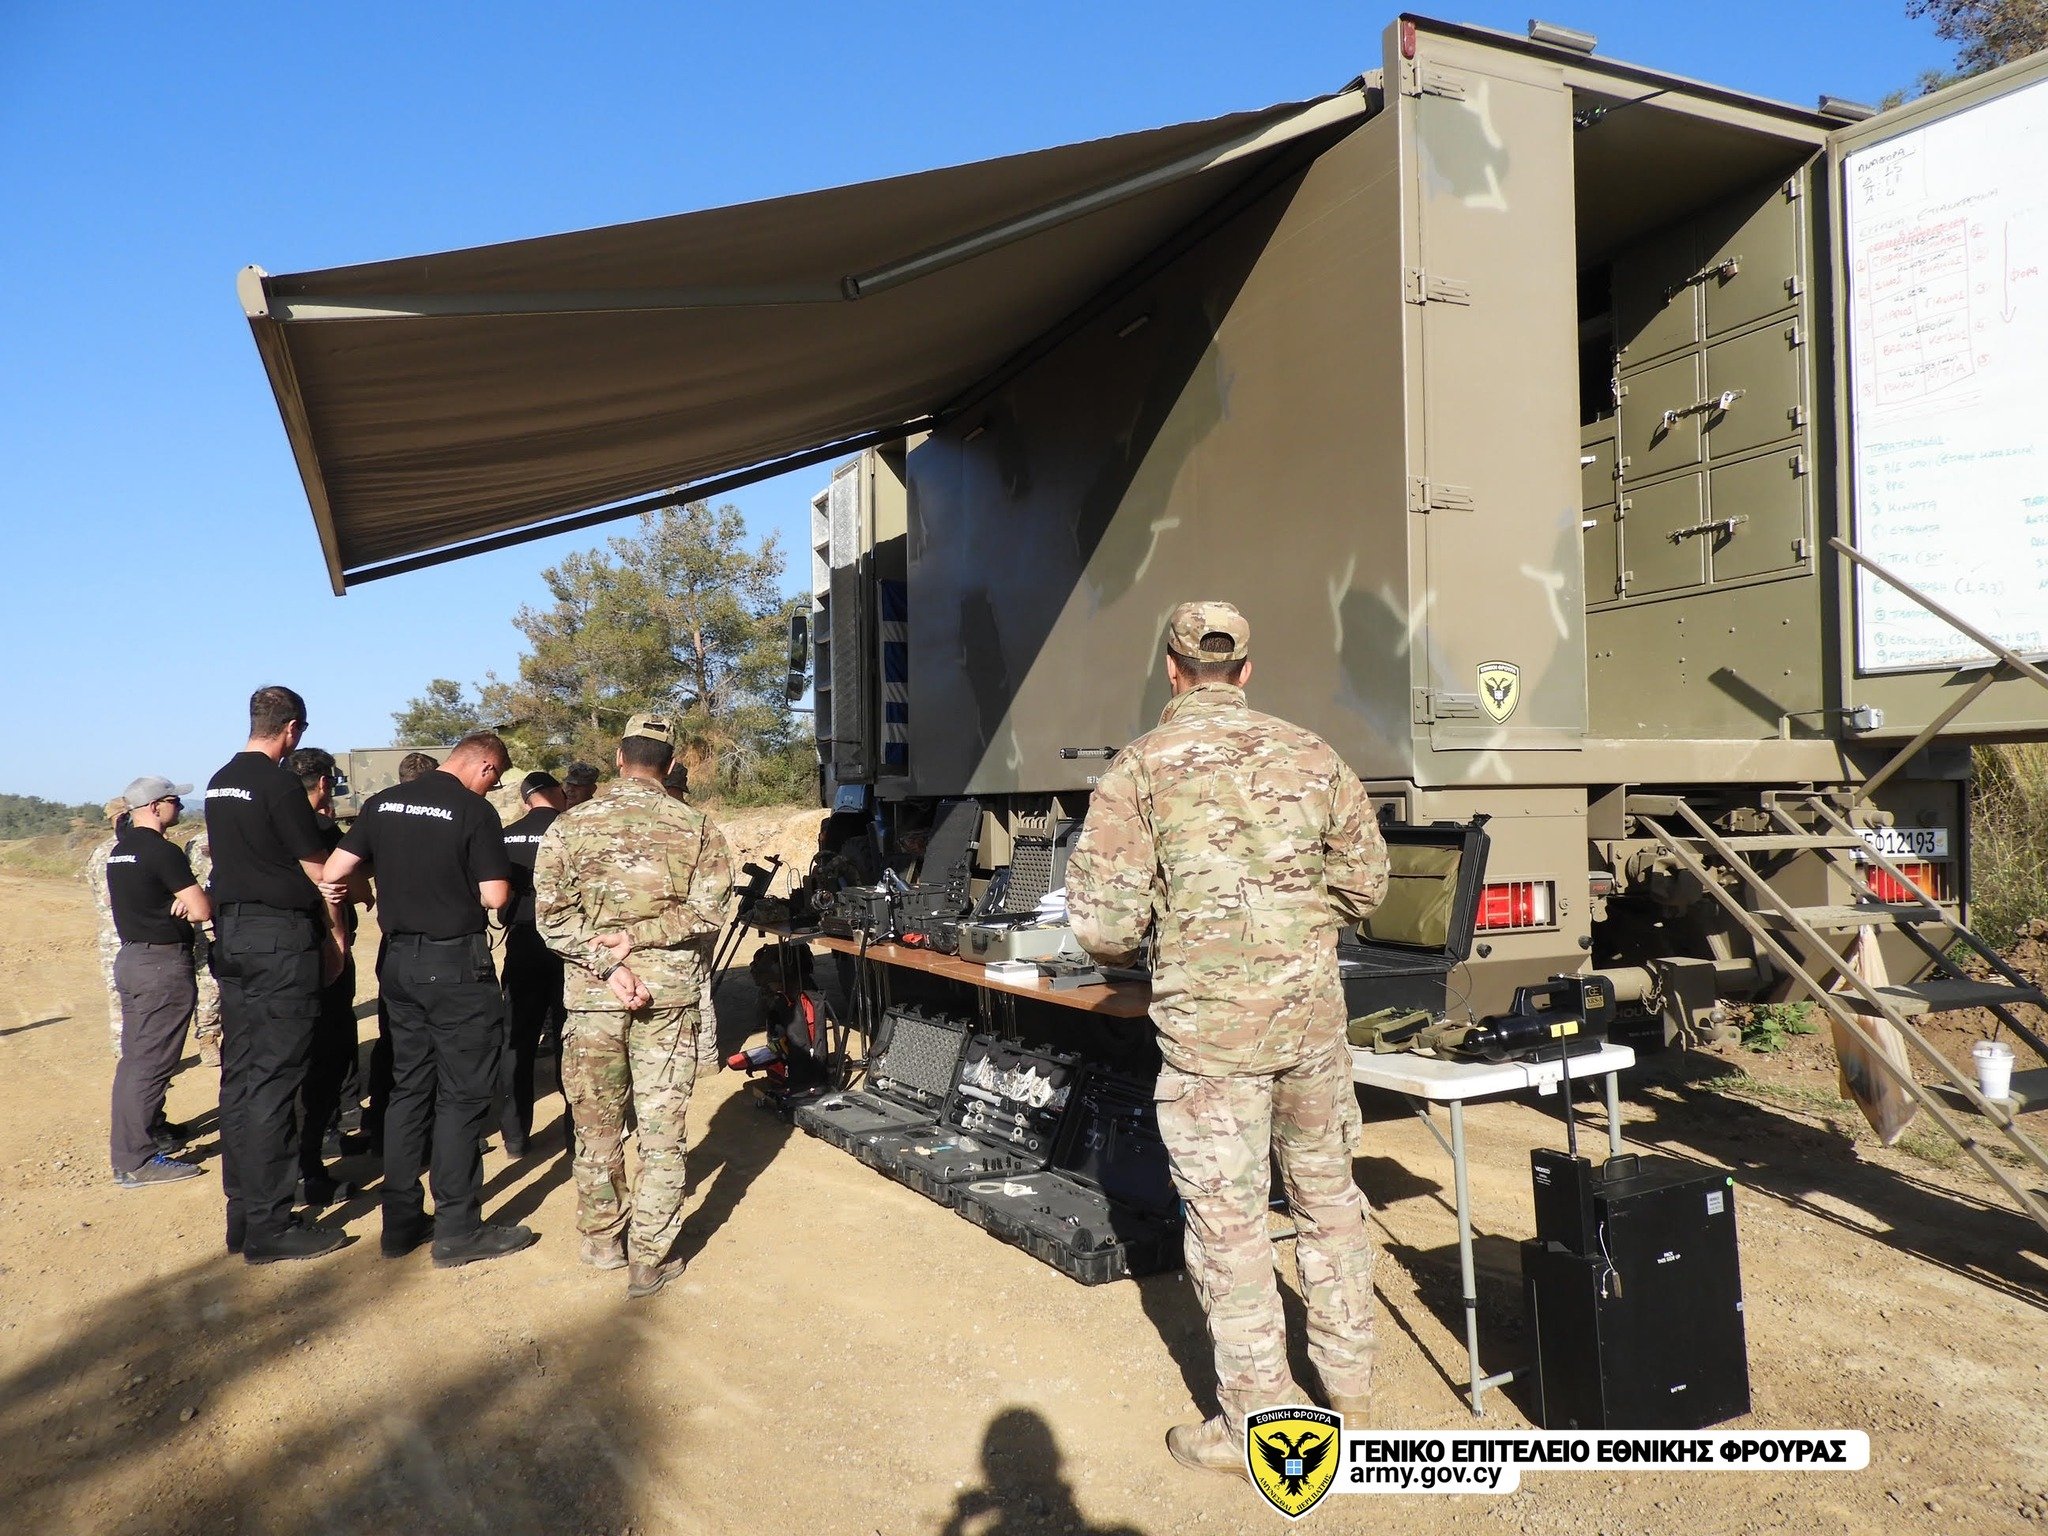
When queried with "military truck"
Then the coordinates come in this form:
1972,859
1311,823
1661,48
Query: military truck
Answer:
1649,466
365,770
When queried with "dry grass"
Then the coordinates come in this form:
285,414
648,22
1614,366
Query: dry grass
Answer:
2009,838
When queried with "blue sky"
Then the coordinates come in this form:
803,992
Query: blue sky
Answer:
159,558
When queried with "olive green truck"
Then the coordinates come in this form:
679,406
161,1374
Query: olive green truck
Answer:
1644,465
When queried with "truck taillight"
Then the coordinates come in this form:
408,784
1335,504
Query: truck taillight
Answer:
1929,880
1512,904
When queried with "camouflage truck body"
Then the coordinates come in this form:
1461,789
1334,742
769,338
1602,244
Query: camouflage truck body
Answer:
1513,420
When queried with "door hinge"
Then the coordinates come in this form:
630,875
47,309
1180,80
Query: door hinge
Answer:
1796,415
1798,463
1792,189
1792,336
1419,79
1792,286
1432,706
1621,583
1434,496
1420,288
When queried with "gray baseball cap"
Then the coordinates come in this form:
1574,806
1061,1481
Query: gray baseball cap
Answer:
151,788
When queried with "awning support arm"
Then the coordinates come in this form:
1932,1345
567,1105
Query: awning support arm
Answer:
702,490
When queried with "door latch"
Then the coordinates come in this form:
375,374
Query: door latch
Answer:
1719,525
1713,405
1720,271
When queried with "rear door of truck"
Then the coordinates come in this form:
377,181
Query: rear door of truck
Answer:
1939,229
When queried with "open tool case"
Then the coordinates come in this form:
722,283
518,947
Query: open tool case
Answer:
910,1074
1004,1117
1422,931
1106,1207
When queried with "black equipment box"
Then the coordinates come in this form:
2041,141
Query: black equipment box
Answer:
1003,1119
1106,1208
1422,931
1038,864
945,874
1645,1331
910,1073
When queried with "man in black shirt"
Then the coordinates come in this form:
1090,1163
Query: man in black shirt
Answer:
273,949
331,1075
155,902
437,850
533,972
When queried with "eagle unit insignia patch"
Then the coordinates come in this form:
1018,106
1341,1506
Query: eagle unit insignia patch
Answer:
1293,1455
1500,689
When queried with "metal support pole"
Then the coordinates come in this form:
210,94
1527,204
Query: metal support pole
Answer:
1614,1114
1467,1271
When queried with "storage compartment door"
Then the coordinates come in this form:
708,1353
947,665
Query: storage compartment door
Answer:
1759,508
1494,492
1663,543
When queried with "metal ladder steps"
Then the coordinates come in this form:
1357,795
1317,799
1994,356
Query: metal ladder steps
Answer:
1943,994
1785,842
1837,918
2029,1093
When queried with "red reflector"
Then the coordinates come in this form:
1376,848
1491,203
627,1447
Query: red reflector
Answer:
1514,904
1921,880
1407,39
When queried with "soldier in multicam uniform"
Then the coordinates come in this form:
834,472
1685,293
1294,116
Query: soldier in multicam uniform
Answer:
630,889
206,1013
1241,843
95,877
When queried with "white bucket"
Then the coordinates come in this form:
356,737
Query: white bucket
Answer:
1994,1068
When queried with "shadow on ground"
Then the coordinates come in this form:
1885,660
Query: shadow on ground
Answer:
545,1439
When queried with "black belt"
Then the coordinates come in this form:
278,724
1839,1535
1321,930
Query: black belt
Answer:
150,944
265,909
421,941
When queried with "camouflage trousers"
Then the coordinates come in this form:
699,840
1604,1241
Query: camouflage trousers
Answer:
1220,1134
110,950
650,1058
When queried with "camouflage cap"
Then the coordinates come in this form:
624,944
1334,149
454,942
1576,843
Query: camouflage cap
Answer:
1191,621
116,808
653,727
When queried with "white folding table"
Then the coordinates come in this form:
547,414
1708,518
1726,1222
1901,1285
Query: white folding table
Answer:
1427,1080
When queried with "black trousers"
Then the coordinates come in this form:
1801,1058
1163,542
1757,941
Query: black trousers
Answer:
157,997
330,1069
533,1002
267,960
447,1037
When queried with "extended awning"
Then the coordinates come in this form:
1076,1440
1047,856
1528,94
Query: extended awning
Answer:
439,405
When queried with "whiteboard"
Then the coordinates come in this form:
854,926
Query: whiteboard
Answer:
1947,239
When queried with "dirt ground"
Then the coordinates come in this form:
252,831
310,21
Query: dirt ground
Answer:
843,1356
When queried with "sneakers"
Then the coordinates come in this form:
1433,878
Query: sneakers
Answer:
169,1135
403,1234
294,1242
603,1252
487,1241
1209,1447
158,1170
645,1279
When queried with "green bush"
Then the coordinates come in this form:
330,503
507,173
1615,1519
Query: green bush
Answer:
2009,841
33,816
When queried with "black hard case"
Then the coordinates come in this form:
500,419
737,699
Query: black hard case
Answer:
1422,931
991,1125
1608,1355
910,1073
1106,1208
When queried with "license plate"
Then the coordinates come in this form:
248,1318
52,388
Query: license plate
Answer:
1908,842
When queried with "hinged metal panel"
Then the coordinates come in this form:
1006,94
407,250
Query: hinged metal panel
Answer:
1768,368
1420,79
1769,494
1765,241
1656,561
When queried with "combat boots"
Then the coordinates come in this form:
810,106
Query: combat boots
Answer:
603,1252
1354,1411
645,1279
1209,1447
